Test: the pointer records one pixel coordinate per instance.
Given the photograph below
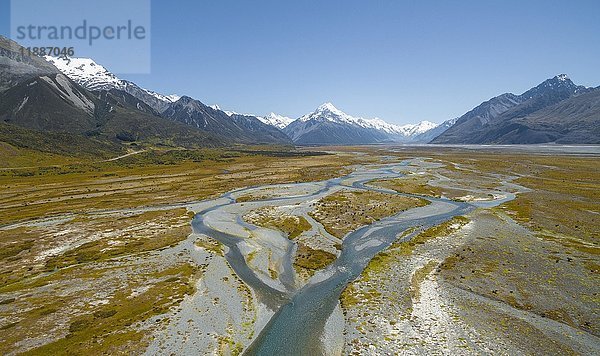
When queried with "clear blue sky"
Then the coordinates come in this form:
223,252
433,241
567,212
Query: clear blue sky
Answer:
403,61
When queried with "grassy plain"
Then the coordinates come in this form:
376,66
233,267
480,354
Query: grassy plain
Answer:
83,262
530,258
83,241
345,211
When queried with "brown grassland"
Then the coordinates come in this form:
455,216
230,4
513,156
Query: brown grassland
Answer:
80,240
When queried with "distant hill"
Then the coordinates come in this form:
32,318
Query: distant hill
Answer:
429,135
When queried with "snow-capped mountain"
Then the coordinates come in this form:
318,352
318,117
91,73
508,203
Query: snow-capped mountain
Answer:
413,130
233,126
329,112
94,77
86,73
272,119
428,135
276,120
229,113
329,125
229,125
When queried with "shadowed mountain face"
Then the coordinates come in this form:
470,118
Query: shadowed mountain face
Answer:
36,99
575,120
50,103
126,118
536,116
42,108
240,128
188,111
54,103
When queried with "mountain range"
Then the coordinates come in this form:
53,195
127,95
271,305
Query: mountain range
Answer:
556,110
276,120
329,125
186,110
52,98
94,77
80,99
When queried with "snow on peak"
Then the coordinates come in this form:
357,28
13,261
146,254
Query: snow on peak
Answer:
328,112
228,112
562,77
272,119
327,107
172,98
87,73
276,120
418,128
93,76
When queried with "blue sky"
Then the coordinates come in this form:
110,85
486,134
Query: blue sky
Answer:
403,61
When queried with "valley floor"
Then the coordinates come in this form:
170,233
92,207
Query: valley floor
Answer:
100,257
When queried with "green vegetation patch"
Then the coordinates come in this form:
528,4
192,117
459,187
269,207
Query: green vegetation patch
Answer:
211,245
418,277
346,211
353,296
162,235
444,229
111,328
268,217
312,259
364,290
411,184
149,178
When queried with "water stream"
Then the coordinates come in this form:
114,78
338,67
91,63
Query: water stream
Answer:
297,326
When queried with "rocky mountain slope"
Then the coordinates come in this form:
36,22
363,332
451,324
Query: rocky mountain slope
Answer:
241,128
50,103
545,113
41,108
94,77
54,103
232,127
